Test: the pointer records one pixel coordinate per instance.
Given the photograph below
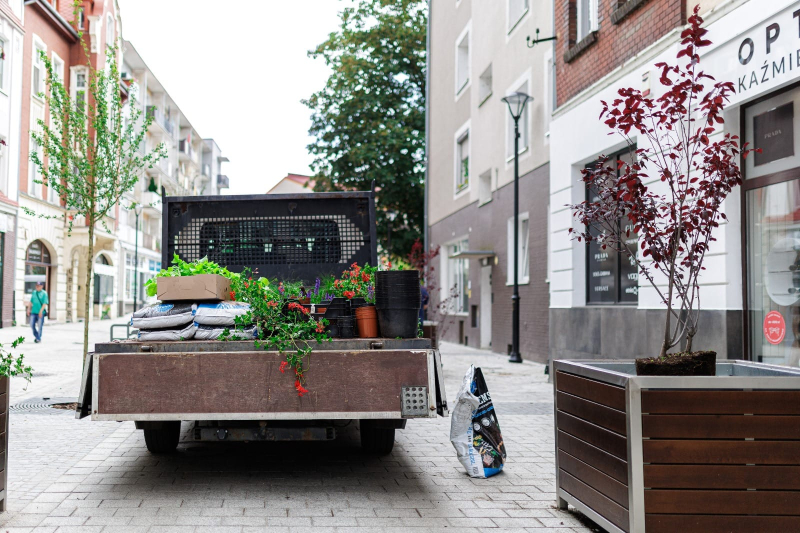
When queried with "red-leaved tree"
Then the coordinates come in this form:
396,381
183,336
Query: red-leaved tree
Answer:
670,196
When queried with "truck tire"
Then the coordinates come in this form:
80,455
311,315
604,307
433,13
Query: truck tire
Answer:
376,440
164,439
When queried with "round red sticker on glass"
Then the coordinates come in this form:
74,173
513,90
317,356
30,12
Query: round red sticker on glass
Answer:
774,327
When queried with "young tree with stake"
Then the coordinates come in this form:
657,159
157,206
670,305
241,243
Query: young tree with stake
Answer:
91,152
675,215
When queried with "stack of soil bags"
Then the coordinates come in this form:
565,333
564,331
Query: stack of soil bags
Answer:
165,321
212,319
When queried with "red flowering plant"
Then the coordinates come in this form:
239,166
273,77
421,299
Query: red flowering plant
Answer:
668,198
358,282
283,325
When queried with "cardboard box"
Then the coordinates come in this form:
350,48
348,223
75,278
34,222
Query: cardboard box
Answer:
196,288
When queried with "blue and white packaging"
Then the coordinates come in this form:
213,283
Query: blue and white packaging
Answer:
220,314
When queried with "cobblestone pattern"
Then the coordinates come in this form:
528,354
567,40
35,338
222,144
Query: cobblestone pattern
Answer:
81,476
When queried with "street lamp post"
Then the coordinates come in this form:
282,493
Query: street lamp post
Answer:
137,209
516,106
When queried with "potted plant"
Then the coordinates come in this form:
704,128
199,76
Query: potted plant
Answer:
672,221
10,366
639,452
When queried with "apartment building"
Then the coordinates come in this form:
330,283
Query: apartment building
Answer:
596,299
478,54
45,252
11,59
193,166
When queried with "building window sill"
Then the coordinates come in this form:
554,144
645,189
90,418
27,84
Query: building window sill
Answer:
484,202
578,48
485,98
624,10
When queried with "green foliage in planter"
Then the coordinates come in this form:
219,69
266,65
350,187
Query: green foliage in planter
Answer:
182,268
13,366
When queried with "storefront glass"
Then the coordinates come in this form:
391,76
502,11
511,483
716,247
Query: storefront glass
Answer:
773,257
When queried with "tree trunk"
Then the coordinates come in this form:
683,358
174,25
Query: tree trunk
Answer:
87,292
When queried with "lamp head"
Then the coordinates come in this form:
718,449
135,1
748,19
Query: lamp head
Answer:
516,103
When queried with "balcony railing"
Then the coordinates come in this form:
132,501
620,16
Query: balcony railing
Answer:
223,182
159,118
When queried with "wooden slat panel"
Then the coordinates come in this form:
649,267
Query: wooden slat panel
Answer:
767,502
3,402
721,452
3,421
606,508
720,427
722,477
3,386
593,412
720,524
607,486
602,393
593,456
604,439
716,402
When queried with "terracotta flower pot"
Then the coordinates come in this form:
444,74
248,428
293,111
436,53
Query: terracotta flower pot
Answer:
367,319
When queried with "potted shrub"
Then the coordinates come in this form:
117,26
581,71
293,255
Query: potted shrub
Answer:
10,366
637,452
673,219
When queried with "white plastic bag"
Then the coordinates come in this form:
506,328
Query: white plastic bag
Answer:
474,430
220,314
160,316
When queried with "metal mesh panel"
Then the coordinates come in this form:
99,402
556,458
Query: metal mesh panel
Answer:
247,233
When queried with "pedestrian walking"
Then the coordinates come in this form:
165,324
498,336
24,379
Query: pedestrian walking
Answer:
39,303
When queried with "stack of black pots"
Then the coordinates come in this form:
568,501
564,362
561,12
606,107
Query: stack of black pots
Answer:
397,301
338,307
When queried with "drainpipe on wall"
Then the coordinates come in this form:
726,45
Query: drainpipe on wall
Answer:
426,239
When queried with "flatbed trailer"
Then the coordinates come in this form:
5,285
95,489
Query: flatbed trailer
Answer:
233,390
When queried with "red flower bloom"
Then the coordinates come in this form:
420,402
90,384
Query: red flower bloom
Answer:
300,389
349,294
233,295
283,366
294,306
320,327
272,303
364,277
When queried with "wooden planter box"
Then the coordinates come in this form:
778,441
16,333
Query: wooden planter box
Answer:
679,454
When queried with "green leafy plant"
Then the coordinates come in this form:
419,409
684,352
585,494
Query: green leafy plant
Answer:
13,366
182,268
91,150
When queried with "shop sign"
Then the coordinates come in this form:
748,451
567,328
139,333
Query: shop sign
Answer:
774,327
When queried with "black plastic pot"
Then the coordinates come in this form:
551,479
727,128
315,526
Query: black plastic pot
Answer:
397,289
338,307
346,327
401,323
333,327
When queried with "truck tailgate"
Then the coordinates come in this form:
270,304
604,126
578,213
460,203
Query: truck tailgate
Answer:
248,385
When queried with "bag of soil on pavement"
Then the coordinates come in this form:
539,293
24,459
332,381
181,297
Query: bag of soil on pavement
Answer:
474,430
213,332
160,316
220,314
168,334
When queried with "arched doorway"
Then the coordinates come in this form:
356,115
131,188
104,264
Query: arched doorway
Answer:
103,286
38,269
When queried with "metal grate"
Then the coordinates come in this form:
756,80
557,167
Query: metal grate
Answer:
415,401
285,236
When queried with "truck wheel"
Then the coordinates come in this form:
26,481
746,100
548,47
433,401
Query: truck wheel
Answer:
376,440
164,439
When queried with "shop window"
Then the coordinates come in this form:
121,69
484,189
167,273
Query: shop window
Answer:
523,255
612,277
37,267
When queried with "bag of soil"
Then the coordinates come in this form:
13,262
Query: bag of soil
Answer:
161,316
474,430
220,314
168,334
213,332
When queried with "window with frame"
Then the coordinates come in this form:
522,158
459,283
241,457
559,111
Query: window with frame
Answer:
110,31
39,72
81,19
485,187
516,10
485,85
458,276
523,253
612,277
462,160
587,18
77,91
462,62
35,174
524,126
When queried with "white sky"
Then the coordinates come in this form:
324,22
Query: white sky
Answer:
238,71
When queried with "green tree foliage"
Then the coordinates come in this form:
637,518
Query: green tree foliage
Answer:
92,152
369,120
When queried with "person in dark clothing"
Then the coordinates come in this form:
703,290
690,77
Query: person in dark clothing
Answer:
423,308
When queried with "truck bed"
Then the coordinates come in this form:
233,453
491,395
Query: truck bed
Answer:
213,380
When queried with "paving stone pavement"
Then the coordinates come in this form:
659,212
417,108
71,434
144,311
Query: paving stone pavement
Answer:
68,475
